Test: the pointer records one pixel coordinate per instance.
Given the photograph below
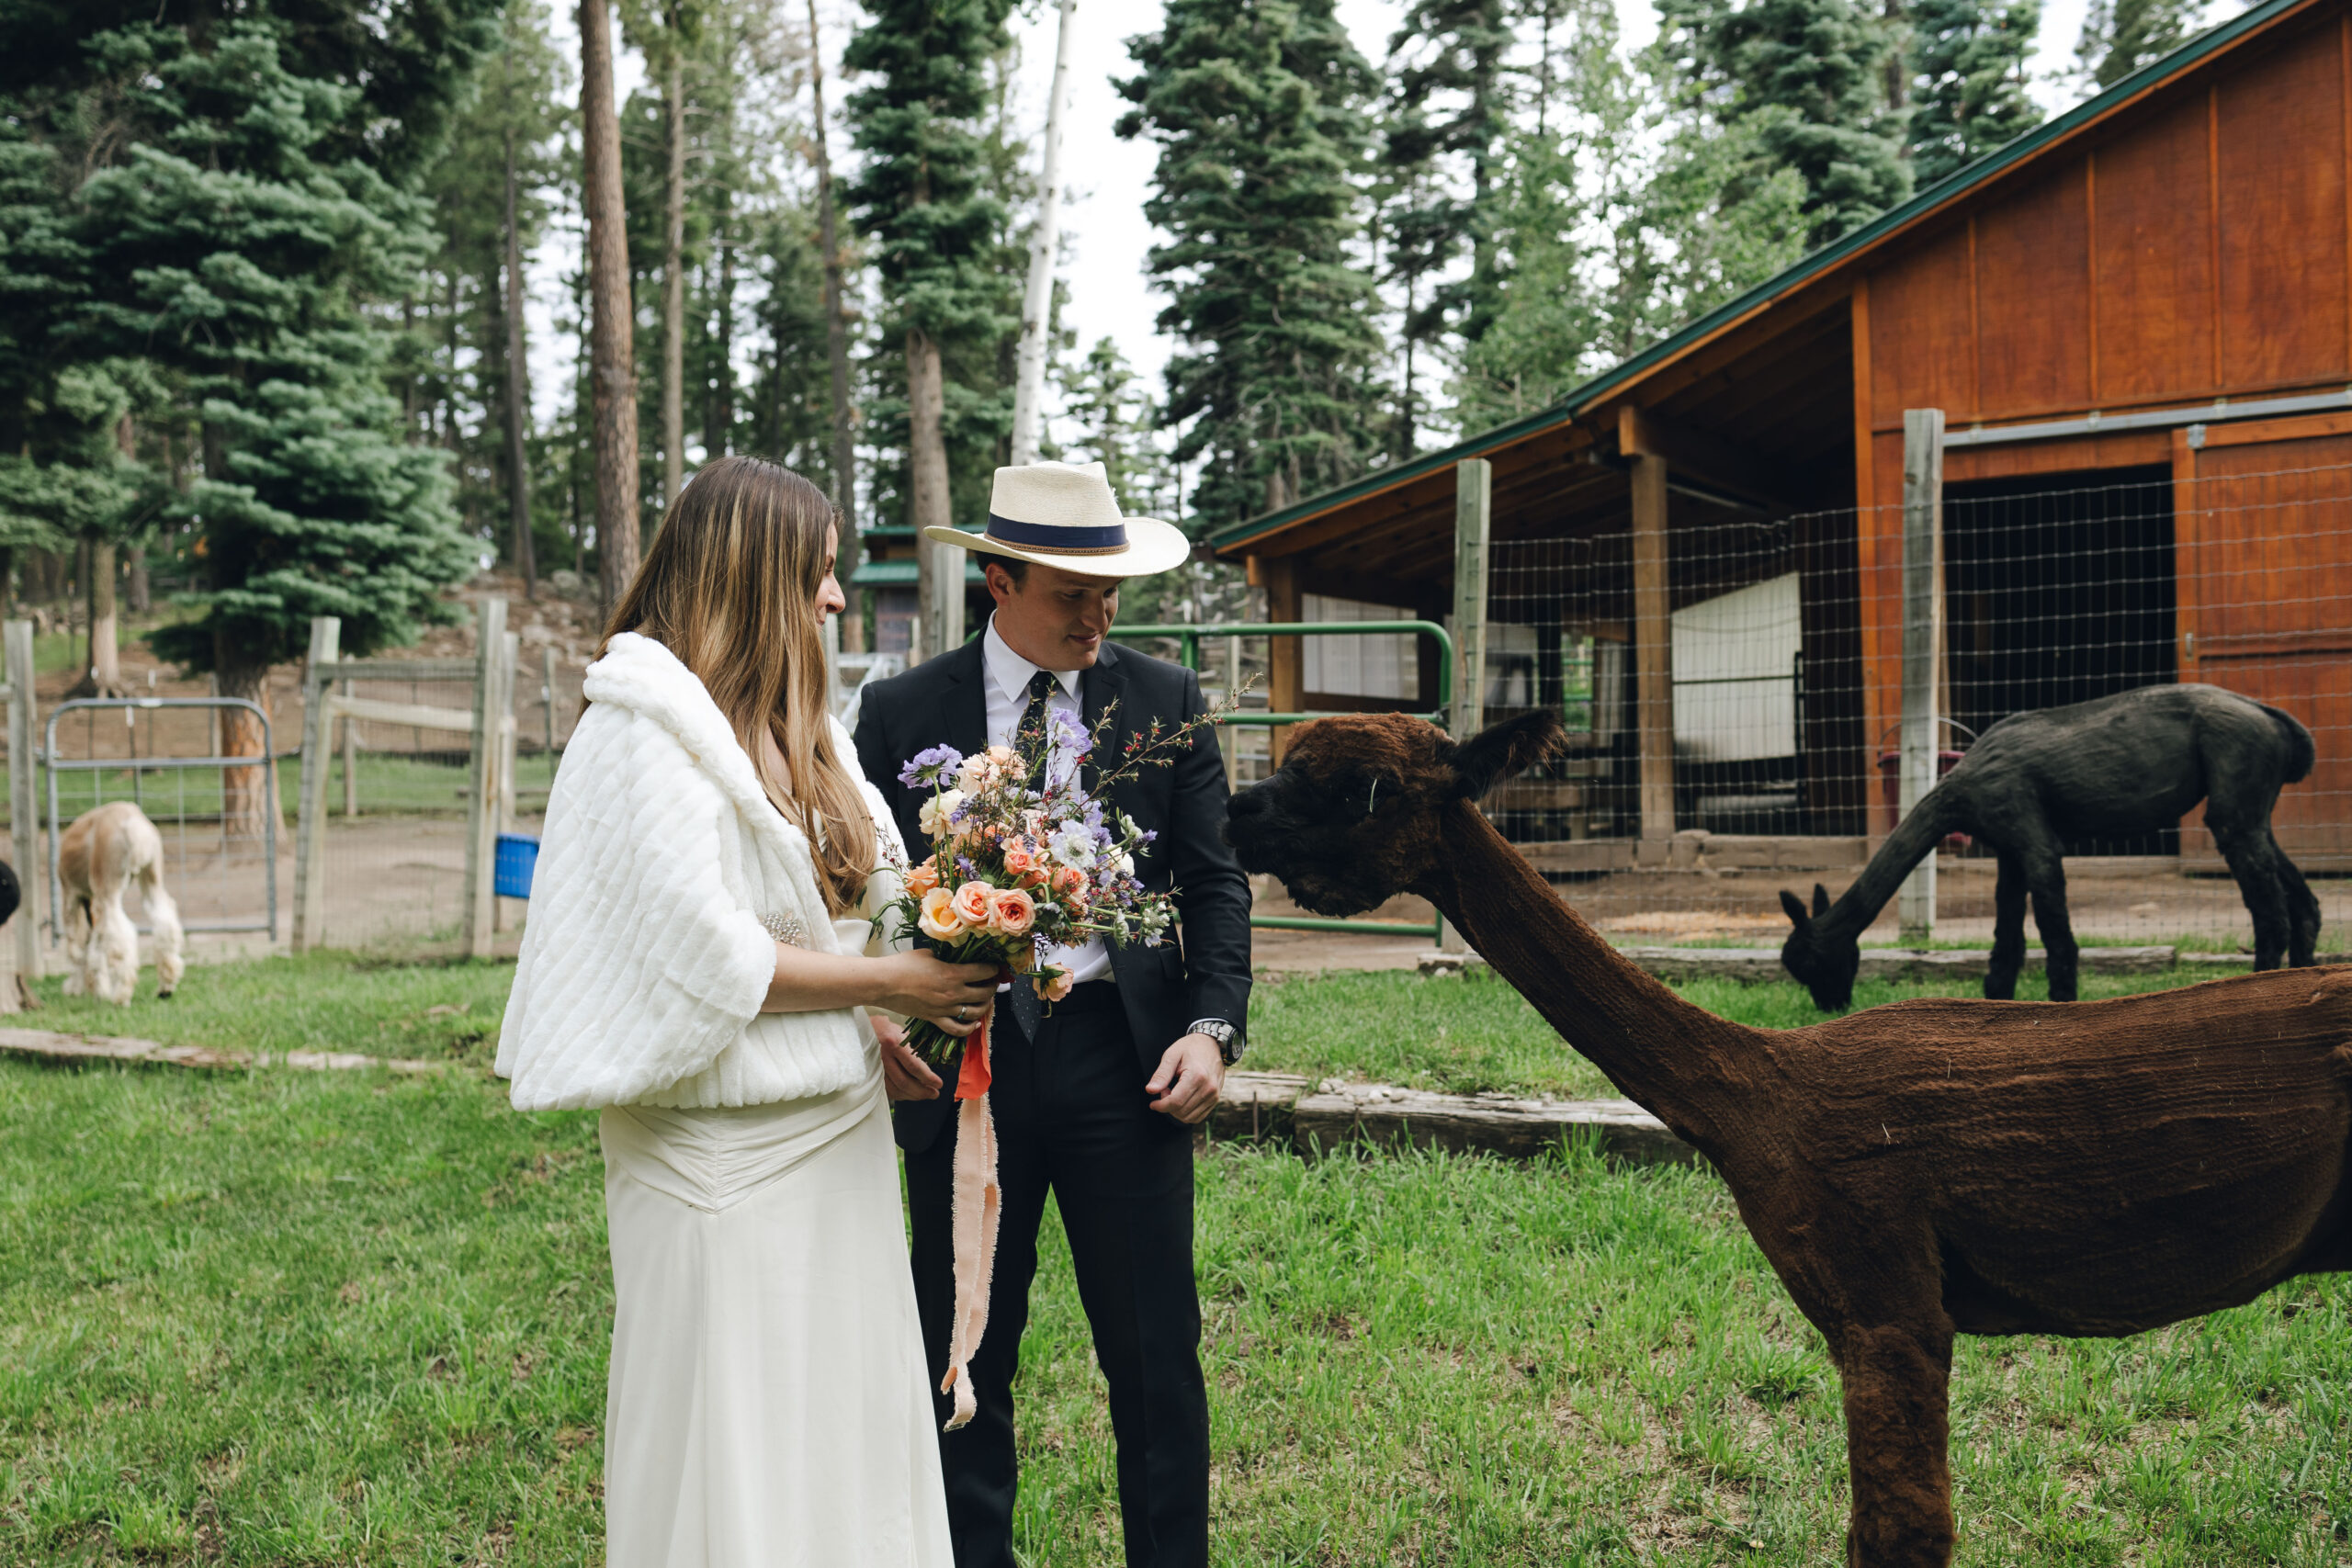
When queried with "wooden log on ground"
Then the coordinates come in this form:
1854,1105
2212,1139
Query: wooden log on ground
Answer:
1289,1112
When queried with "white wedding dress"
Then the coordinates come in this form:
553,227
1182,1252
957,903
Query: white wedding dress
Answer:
768,1405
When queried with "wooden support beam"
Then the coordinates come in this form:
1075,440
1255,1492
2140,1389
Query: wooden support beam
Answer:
1700,455
1472,533
1923,628
1285,656
1652,649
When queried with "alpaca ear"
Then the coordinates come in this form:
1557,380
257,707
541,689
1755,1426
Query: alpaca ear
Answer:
1499,750
1794,906
1820,900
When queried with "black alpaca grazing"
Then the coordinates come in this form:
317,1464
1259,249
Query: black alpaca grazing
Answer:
2131,763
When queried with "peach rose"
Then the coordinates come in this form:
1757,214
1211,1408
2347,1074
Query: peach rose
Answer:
1013,912
1057,988
1021,863
938,917
1070,880
972,903
923,878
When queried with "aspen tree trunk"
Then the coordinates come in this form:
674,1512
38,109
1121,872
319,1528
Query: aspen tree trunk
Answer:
518,395
674,278
612,349
836,346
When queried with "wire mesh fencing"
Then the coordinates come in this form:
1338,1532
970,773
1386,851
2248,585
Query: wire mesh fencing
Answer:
1771,759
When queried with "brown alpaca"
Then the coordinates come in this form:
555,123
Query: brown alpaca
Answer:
1918,1171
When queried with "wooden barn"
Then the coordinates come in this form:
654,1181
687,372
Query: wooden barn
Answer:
2137,320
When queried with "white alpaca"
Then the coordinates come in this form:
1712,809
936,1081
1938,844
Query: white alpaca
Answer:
97,860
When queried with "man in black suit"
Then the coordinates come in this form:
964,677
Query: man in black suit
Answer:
1095,1100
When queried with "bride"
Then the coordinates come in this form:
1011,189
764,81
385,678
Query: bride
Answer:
696,966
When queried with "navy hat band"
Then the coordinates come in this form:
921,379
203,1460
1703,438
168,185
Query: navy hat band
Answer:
1059,540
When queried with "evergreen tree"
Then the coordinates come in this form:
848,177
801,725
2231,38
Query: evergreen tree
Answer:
1970,56
224,250
1806,72
1449,107
2120,36
923,195
1257,106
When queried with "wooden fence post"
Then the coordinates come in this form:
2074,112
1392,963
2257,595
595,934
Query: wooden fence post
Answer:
481,798
1474,490
311,799
509,738
1652,649
24,820
1923,627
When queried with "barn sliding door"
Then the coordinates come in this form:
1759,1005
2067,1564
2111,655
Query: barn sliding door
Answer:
2263,527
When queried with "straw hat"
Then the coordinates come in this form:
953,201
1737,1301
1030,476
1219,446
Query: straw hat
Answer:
1063,514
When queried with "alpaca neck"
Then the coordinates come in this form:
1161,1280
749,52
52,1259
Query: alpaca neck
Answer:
1914,840
1681,1062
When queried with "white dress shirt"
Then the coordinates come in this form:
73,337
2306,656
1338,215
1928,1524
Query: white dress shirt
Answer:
1008,698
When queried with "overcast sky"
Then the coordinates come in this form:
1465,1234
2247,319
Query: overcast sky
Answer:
1106,178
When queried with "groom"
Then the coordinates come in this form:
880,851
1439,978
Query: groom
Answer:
1094,1101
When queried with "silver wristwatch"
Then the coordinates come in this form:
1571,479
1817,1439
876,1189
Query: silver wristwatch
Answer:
1229,1044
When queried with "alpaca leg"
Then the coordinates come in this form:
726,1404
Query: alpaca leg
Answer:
2303,910
2009,932
2253,861
77,945
1898,1380
114,952
164,914
2041,864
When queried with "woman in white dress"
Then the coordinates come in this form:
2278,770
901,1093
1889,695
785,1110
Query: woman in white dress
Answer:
697,964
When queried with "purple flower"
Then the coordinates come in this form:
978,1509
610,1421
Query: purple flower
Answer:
930,767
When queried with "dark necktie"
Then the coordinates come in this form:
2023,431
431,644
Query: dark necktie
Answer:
1026,1009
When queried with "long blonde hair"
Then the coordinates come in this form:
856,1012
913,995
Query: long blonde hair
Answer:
730,587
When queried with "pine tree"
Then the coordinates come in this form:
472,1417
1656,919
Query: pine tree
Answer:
923,197
1257,106
223,250
1806,72
1449,107
2120,36
1970,56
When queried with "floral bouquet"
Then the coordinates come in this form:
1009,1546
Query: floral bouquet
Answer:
1026,860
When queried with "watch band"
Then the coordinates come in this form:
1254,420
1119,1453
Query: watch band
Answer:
1229,1044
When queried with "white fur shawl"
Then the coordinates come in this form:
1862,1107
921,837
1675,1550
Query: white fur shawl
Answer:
646,956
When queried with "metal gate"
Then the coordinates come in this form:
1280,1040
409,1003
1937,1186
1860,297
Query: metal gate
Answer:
181,817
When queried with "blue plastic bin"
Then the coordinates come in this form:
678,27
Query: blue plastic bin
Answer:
518,855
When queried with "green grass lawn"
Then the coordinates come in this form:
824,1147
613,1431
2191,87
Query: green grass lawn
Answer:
283,1317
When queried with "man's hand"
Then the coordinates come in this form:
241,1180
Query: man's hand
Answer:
1191,1076
904,1074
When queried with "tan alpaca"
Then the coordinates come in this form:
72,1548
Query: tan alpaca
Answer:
96,859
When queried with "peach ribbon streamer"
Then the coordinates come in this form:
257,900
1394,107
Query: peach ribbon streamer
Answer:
973,1214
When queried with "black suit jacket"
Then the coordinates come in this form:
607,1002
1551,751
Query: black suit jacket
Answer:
1203,974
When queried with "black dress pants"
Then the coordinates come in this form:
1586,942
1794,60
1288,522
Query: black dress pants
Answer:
1072,1118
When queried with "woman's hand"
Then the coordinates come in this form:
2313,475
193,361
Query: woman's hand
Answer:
955,997
905,1076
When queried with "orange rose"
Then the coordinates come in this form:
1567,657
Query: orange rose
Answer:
923,878
938,920
1013,912
1057,988
1070,879
971,903
1021,863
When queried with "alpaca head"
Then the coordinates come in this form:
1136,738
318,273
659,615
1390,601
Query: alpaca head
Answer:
1821,960
1351,817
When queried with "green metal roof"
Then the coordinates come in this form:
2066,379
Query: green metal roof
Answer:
901,574
1944,190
